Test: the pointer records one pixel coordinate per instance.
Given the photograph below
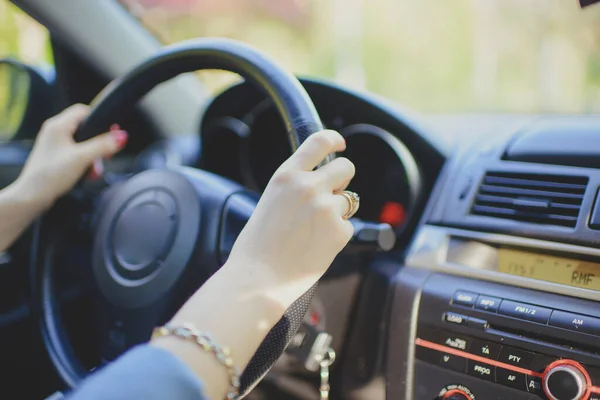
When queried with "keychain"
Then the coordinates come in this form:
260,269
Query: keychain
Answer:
311,347
325,362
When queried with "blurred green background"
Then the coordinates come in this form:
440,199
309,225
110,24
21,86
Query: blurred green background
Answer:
25,40
439,56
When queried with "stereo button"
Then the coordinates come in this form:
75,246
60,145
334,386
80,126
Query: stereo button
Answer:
575,322
455,318
534,385
453,362
566,380
516,357
488,303
482,370
464,299
511,379
457,342
486,349
524,311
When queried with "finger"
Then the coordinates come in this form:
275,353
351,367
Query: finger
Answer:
345,206
96,170
343,187
69,120
337,173
348,230
342,204
102,146
314,149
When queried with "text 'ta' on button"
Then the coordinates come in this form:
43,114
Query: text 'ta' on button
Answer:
485,349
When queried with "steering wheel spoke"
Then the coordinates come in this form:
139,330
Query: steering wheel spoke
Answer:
118,330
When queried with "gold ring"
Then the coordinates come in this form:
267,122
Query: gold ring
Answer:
353,203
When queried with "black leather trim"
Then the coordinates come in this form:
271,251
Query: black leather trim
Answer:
290,98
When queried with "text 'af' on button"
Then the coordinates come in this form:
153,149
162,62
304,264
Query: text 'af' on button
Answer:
511,379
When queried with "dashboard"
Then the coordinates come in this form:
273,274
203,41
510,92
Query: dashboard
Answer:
498,297
244,139
492,292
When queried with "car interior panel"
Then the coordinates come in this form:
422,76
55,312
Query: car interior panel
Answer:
473,272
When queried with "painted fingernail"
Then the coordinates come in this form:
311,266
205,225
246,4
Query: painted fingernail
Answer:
96,170
115,127
120,137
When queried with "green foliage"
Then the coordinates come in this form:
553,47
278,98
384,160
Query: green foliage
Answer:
432,55
23,39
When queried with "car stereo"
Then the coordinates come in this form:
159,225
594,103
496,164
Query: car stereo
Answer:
481,338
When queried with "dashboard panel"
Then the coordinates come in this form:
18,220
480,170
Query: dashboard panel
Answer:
245,140
497,298
480,305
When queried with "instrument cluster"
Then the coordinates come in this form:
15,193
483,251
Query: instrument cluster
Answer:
248,145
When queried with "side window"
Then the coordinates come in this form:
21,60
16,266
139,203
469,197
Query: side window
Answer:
21,39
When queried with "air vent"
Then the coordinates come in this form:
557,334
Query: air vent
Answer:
539,199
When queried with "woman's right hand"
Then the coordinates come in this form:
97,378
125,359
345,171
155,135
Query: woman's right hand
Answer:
297,228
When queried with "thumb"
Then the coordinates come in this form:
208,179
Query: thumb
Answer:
101,146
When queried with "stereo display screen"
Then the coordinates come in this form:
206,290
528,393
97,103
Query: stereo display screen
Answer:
566,271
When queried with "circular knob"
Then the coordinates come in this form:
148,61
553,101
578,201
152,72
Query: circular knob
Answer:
566,380
456,395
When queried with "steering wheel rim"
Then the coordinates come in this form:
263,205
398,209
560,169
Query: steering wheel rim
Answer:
300,117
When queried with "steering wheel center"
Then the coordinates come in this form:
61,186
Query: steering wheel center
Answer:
147,233
143,234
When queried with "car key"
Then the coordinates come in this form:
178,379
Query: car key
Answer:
325,362
309,346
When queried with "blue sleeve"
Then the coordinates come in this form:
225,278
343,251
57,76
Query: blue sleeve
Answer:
145,372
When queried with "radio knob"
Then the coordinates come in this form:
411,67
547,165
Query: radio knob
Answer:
566,380
456,395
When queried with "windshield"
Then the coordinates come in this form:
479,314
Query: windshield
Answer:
528,56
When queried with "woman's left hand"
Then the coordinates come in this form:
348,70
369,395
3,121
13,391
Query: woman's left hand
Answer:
56,161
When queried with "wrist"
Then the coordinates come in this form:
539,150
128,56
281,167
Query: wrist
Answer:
25,195
259,280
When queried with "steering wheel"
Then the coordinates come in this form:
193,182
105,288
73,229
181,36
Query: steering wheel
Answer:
162,233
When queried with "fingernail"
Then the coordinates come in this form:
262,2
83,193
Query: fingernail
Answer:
120,137
96,170
115,127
